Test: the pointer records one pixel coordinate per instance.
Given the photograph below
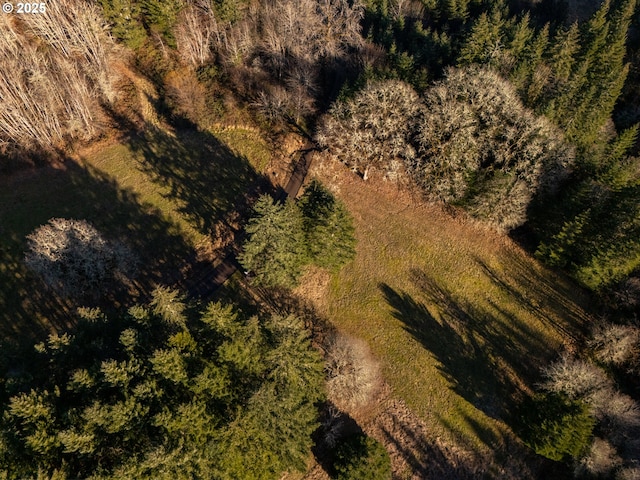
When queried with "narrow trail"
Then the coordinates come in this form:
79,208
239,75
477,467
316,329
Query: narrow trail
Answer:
203,281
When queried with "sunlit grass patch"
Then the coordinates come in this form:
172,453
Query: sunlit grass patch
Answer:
460,317
246,143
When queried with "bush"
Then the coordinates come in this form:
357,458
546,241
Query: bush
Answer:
352,374
362,458
72,257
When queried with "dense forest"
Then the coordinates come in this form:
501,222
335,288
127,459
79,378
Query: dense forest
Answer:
520,118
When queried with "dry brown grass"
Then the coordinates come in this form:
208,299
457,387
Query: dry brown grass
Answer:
460,317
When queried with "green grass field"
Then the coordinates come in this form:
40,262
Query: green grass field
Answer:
460,317
162,194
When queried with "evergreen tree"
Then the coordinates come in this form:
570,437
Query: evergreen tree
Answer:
484,43
281,416
586,101
557,427
125,19
161,16
328,227
565,47
274,250
146,396
359,457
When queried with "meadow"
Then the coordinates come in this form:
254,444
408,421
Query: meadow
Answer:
460,317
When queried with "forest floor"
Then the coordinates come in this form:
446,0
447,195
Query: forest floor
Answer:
461,320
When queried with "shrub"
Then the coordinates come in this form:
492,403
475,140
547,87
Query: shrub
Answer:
352,373
360,457
72,257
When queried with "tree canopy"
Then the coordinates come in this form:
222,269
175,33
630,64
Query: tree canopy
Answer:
163,392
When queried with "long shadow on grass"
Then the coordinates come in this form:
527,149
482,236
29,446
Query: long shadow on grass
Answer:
206,179
485,352
463,358
27,308
542,293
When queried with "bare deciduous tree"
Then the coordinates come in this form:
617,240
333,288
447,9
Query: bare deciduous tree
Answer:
615,344
195,31
575,378
76,30
60,72
186,95
601,460
618,415
374,128
73,258
352,373
482,148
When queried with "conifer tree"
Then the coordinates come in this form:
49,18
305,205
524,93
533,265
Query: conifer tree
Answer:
328,227
566,44
274,250
146,396
125,19
161,17
484,43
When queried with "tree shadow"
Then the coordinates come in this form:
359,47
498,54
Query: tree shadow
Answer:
426,459
335,425
542,294
489,355
456,343
208,182
27,308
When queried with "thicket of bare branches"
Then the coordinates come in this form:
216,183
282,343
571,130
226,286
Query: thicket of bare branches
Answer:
480,147
59,75
73,258
576,378
308,29
601,460
186,96
292,41
373,129
195,31
353,375
469,142
615,344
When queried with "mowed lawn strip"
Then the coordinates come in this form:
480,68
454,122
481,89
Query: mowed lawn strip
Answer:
460,317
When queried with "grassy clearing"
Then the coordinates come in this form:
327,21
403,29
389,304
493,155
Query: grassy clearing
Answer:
247,143
161,194
460,317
